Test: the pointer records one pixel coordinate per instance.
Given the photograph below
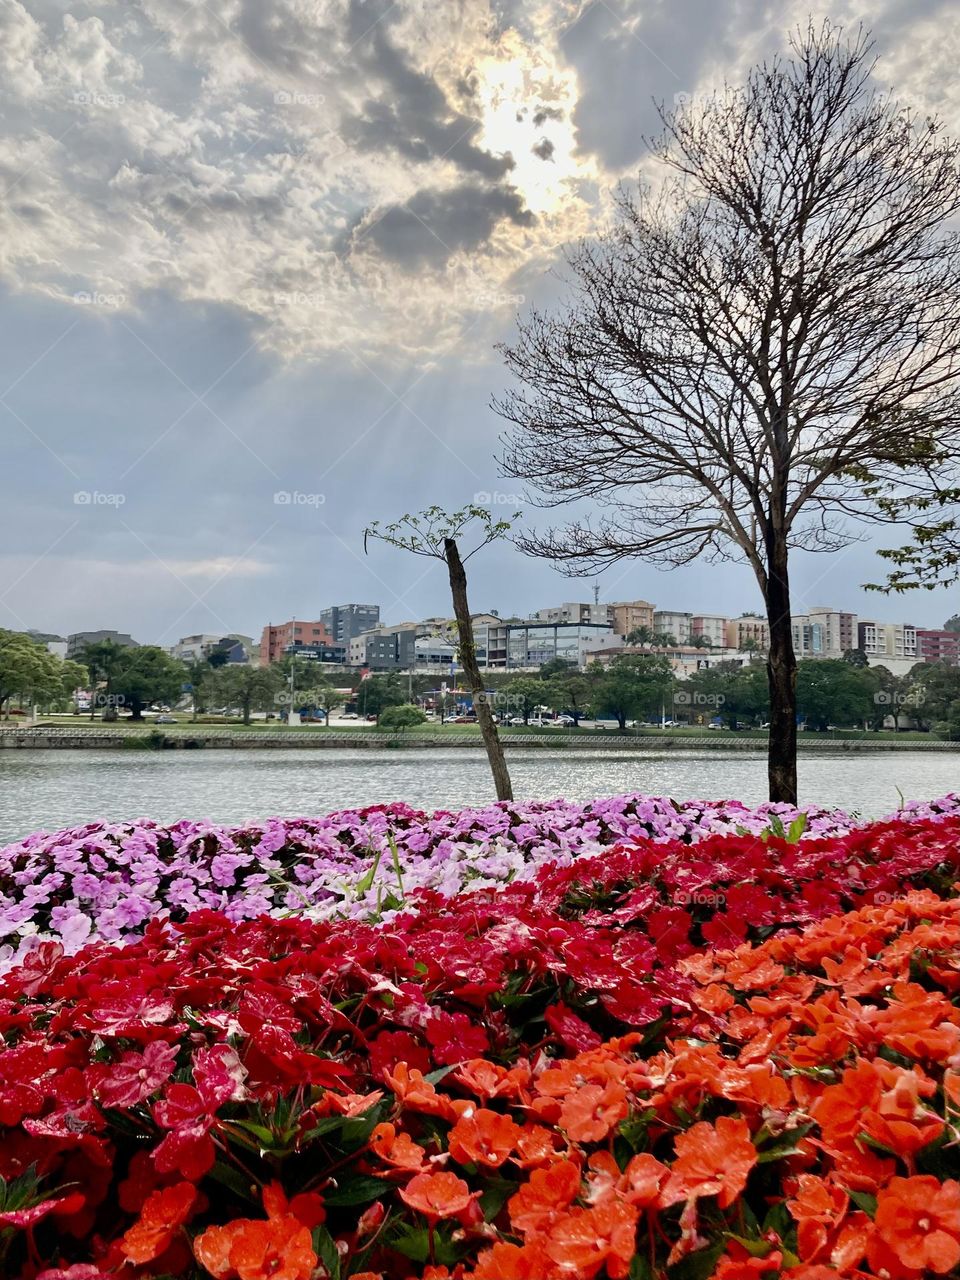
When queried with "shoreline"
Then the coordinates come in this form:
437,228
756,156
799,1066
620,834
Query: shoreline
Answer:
186,739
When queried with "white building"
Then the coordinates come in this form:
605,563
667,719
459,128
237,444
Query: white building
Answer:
823,632
711,626
598,614
671,623
888,640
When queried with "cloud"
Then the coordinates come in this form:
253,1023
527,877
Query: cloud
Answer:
432,226
282,159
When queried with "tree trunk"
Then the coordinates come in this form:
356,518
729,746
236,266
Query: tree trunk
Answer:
468,656
782,678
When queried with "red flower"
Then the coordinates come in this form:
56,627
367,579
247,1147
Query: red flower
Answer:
918,1219
248,1249
712,1160
161,1217
437,1195
483,1137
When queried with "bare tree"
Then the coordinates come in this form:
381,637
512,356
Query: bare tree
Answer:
435,533
757,350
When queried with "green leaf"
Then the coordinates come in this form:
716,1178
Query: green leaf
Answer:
699,1265
232,1178
797,827
324,1246
776,826
359,1190
865,1201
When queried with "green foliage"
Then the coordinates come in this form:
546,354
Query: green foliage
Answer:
144,675
249,688
30,672
401,717
377,693
632,686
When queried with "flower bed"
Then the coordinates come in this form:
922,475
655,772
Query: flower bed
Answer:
108,881
725,1058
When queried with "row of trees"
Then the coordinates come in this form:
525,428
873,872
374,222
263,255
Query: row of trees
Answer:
31,675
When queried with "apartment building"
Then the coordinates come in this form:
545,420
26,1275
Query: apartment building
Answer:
709,625
938,646
631,615
824,632
671,623
276,640
748,632
894,640
572,612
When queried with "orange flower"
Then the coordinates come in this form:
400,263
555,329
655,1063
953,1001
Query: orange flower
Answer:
307,1207
513,1262
483,1137
248,1249
919,1220
163,1214
548,1193
536,1146
818,1208
712,1160
899,1121
398,1149
590,1114
584,1240
416,1093
437,1195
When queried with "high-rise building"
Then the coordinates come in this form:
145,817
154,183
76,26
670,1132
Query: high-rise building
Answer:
277,639
631,615
344,621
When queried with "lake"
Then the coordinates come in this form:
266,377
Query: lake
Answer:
52,789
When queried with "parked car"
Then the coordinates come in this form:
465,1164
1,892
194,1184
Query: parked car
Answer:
565,720
349,715
163,719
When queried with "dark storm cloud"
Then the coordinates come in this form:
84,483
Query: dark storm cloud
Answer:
432,225
410,114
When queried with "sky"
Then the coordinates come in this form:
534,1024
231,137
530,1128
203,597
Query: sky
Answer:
255,259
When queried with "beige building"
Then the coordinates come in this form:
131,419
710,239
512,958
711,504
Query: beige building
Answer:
671,623
889,640
751,631
631,615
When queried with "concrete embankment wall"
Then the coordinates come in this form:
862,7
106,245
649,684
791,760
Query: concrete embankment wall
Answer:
100,739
